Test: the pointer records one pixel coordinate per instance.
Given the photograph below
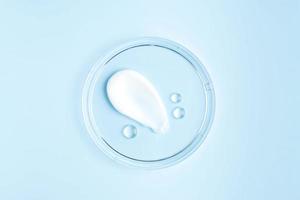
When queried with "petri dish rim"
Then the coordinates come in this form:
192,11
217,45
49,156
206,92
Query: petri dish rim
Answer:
95,133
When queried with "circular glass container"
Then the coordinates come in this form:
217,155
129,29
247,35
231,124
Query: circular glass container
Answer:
173,70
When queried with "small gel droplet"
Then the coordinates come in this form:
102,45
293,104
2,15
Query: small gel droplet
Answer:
178,113
175,97
129,131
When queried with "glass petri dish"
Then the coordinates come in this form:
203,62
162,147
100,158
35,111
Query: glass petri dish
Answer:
184,86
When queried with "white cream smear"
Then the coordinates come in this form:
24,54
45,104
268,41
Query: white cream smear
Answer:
134,96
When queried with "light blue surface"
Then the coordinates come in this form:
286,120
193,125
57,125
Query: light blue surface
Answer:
250,49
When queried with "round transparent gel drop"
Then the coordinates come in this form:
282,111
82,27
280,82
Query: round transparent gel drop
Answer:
178,113
129,131
175,97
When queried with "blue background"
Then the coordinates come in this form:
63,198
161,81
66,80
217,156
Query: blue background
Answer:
250,49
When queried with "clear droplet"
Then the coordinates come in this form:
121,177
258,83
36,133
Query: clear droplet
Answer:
178,113
129,131
175,97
